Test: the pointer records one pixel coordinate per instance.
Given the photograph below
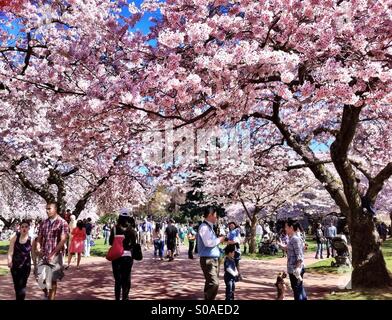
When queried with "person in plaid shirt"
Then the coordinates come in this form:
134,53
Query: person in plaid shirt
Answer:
52,235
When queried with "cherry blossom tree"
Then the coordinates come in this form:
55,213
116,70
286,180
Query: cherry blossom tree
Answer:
261,189
17,203
311,74
318,71
63,131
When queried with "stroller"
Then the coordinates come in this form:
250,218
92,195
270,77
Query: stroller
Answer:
268,247
343,257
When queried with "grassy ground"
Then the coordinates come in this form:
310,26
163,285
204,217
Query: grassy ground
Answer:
387,252
99,250
324,267
353,295
4,247
4,271
3,250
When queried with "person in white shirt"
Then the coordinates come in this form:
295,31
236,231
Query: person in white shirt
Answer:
259,234
209,253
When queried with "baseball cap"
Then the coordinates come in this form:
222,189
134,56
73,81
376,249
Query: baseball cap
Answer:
124,212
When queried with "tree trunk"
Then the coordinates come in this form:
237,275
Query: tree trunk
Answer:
252,246
390,217
369,268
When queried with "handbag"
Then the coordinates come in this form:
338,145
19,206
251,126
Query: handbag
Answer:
117,249
137,253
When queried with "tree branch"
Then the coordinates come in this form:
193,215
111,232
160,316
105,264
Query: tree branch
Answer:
358,165
81,204
339,154
377,183
68,173
307,165
41,191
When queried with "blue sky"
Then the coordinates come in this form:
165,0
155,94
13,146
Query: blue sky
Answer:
144,24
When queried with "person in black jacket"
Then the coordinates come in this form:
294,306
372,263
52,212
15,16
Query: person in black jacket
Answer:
122,266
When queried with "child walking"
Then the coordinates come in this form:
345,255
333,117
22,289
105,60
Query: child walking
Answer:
231,272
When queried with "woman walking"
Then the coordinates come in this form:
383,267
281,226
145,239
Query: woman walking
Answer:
71,226
320,240
157,236
122,266
77,243
19,259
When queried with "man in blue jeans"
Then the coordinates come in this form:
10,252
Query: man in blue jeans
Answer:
295,260
87,242
330,233
208,249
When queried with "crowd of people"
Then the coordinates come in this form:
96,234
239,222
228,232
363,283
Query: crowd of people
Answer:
216,241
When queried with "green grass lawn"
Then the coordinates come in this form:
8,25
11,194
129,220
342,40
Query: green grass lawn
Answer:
258,256
324,267
99,250
4,271
387,252
312,245
3,250
4,247
365,295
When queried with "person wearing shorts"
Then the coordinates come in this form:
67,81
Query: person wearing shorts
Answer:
49,247
171,236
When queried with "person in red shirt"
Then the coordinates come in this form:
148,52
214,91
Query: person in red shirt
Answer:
77,243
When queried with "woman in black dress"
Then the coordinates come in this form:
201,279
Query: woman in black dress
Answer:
19,259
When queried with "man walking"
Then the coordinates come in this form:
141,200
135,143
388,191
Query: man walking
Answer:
171,238
209,253
49,247
330,233
87,242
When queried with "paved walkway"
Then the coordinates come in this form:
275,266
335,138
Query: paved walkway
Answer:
180,279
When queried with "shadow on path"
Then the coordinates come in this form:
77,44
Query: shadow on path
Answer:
181,279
